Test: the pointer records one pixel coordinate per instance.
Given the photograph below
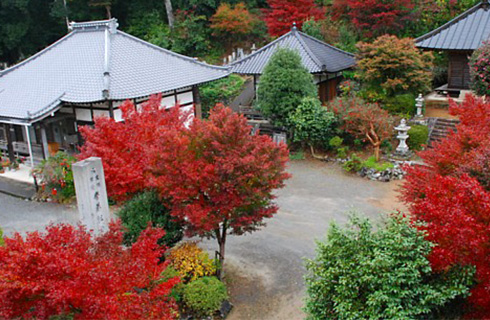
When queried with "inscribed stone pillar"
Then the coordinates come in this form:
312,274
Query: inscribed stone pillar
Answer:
93,207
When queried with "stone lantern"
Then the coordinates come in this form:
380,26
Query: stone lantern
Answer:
419,103
402,129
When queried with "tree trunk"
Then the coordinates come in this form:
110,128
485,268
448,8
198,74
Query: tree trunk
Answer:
221,237
108,10
376,152
170,13
314,155
372,136
66,15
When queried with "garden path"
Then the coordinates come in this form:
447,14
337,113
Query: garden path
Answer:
264,269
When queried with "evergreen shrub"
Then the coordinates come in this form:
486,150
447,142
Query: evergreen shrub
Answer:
205,295
147,208
312,123
359,273
418,136
283,85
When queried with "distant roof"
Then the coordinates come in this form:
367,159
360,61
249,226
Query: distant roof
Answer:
95,62
317,56
465,32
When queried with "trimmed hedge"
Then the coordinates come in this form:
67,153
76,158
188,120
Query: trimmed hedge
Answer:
418,135
205,295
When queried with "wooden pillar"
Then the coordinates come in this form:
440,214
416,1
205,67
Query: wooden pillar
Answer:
197,102
10,141
111,109
44,141
29,145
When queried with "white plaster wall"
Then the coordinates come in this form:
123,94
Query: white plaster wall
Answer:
83,114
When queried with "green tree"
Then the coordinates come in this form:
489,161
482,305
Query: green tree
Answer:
27,26
391,66
313,28
359,273
147,208
312,124
283,84
220,91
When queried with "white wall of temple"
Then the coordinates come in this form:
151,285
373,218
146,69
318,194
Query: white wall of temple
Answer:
88,111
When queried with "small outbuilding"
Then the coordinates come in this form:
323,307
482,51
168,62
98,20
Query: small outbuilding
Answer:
459,38
324,61
89,73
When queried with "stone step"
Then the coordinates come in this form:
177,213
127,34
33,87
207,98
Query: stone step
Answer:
447,125
441,128
442,131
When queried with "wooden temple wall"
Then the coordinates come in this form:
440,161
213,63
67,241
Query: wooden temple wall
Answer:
459,70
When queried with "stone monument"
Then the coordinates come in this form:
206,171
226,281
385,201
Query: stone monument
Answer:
93,207
279,137
419,103
402,129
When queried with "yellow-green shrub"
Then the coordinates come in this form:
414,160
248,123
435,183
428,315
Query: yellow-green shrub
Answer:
205,296
191,262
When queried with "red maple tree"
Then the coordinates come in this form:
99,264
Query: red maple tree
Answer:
221,179
217,177
366,121
65,271
283,13
375,17
451,194
123,146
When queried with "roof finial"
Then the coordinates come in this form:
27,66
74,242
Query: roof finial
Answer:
294,27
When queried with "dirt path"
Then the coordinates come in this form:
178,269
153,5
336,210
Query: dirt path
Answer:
265,269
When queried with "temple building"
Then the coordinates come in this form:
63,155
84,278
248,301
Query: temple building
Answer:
459,38
89,73
324,61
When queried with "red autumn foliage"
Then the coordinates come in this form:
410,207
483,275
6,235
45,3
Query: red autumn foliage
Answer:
467,150
123,146
216,176
452,196
366,121
375,17
221,179
235,20
282,13
64,271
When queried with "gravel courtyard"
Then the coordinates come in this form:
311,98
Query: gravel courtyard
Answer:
264,269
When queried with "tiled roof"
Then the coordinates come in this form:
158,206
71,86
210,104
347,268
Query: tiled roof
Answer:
317,56
72,70
465,32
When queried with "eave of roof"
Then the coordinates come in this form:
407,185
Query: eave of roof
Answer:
465,36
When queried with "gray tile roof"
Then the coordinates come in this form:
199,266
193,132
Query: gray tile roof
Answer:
72,70
465,32
317,56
